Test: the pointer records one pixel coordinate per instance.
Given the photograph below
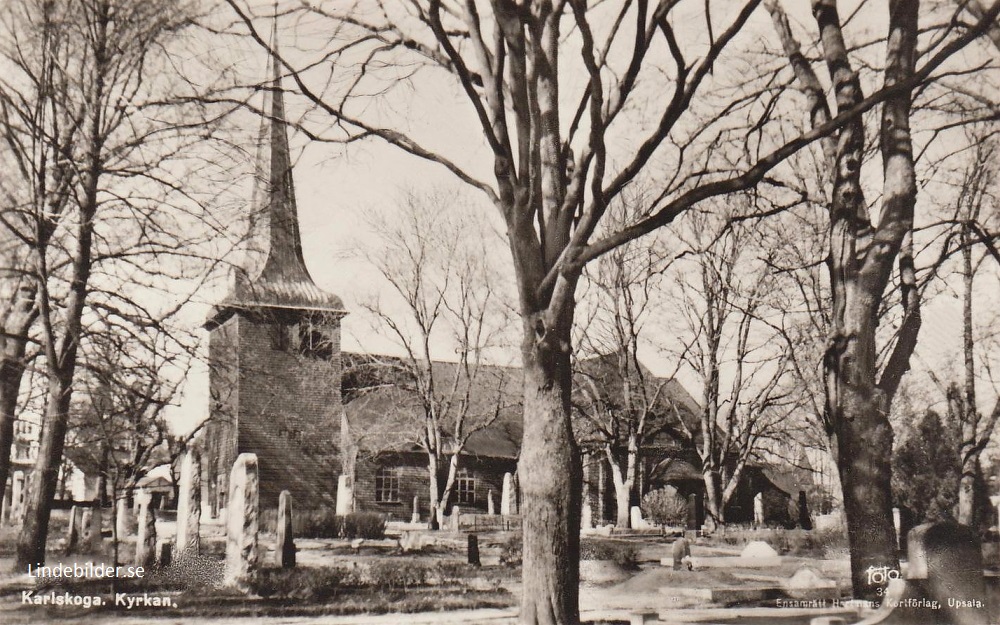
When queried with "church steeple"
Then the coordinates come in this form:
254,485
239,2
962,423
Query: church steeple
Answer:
282,280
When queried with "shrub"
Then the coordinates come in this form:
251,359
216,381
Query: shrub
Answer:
363,525
299,583
665,506
511,551
323,523
624,554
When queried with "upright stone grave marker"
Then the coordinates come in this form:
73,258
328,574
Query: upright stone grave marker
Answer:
123,520
92,536
415,517
286,539
946,565
489,503
189,506
507,495
72,529
241,524
145,543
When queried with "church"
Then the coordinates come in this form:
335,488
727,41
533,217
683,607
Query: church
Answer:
280,387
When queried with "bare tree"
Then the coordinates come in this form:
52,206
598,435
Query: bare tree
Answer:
554,174
862,252
746,398
125,206
445,300
622,406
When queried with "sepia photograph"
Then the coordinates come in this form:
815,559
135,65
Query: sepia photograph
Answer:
500,312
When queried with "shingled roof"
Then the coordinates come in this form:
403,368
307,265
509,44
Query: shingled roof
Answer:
382,404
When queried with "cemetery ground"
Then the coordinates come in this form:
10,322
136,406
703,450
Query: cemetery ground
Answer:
624,575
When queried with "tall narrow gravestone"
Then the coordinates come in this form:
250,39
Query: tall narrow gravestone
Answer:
241,524
286,539
123,520
72,529
92,532
507,494
145,543
189,506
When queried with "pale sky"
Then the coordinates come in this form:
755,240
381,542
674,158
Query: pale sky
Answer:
333,184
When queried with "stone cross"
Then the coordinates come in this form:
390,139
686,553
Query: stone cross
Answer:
507,494
241,523
285,548
489,503
72,532
189,506
145,543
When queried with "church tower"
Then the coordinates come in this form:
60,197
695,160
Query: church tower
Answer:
274,347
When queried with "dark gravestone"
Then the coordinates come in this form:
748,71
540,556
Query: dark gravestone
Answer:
474,550
286,537
692,512
804,521
946,567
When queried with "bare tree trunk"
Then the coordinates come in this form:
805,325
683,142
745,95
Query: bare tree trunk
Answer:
44,477
623,492
550,480
714,510
11,371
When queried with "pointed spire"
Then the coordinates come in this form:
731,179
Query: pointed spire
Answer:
283,280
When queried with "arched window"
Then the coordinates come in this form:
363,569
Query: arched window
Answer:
314,343
387,485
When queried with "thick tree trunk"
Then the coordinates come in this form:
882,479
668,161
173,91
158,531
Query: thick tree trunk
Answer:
864,449
714,510
45,476
11,371
967,491
550,480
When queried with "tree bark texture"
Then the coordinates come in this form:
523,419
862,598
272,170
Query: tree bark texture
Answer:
551,481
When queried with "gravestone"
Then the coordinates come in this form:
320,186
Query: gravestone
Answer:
189,506
241,523
587,517
679,550
635,517
83,527
804,521
415,518
92,531
123,519
72,529
286,539
946,565
345,496
145,543
473,550
692,512
507,494
164,553
489,503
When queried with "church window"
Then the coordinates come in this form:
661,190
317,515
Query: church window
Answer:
387,485
465,487
314,343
